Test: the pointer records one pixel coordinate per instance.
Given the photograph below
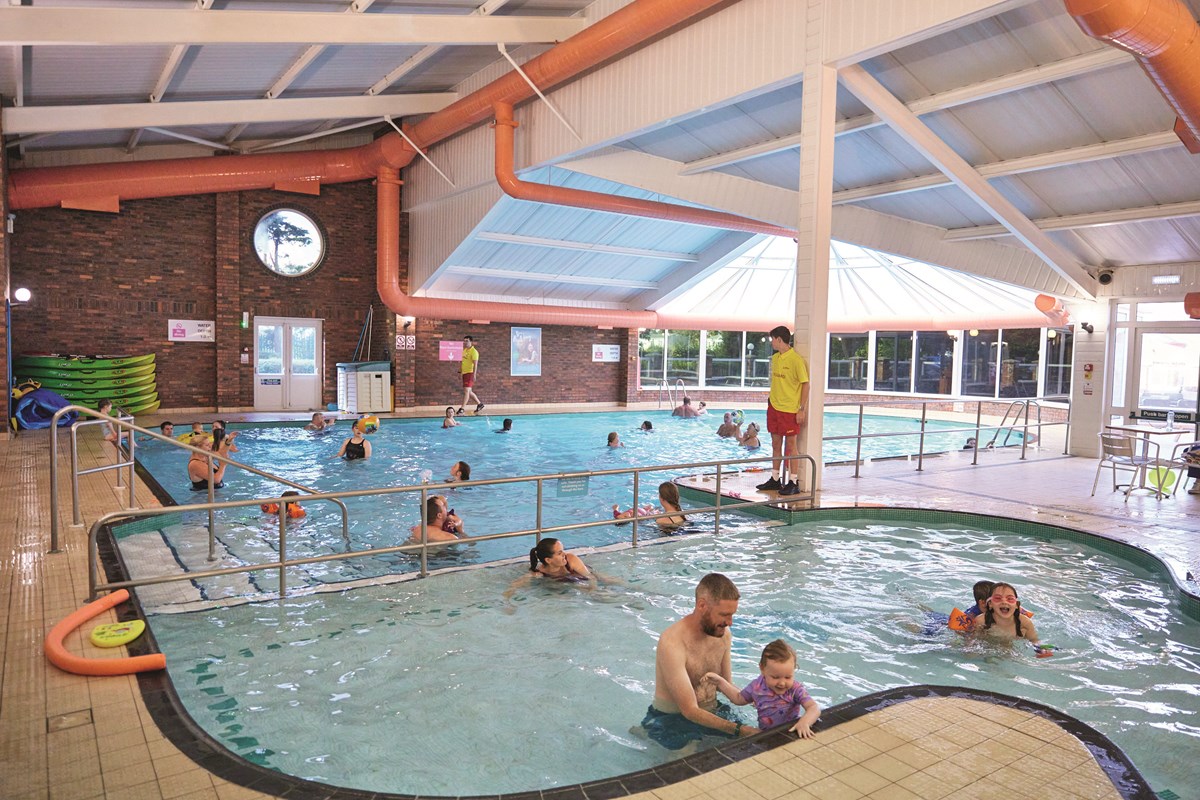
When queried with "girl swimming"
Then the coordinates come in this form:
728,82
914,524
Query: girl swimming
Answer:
1002,617
776,695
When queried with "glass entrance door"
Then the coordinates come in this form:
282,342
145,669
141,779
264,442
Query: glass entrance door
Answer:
288,359
1167,374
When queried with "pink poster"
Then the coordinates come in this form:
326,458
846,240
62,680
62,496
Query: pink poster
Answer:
450,351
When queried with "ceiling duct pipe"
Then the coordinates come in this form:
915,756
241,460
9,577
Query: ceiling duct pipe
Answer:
598,201
619,32
1165,39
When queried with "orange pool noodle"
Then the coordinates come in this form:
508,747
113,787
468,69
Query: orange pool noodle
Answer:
67,662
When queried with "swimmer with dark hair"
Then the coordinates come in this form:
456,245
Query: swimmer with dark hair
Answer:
614,440
647,426
1002,616
506,426
459,471
669,516
550,560
449,421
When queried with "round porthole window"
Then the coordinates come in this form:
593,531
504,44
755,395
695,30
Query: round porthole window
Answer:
289,242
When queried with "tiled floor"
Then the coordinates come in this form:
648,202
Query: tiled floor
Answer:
64,736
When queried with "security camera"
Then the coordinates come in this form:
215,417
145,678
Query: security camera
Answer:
1105,277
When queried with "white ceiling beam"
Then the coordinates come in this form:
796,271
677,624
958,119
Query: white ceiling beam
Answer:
96,26
912,130
546,277
1017,166
188,138
1035,76
17,93
591,247
713,258
215,112
1093,219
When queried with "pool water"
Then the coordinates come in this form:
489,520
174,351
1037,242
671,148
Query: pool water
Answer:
438,687
404,452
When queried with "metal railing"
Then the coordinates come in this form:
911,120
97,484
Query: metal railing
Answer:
121,424
424,545
975,430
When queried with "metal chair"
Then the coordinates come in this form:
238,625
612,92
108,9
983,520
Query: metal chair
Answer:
1185,456
1121,451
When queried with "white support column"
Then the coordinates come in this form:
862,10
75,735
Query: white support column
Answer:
1089,390
818,115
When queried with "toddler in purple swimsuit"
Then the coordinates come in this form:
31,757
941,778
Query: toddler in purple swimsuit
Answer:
775,693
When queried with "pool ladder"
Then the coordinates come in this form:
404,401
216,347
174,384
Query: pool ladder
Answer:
663,384
1015,408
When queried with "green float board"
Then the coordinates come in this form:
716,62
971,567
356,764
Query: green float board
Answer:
37,373
55,384
82,362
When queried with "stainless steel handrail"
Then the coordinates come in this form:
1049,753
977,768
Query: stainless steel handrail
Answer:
94,586
124,424
977,429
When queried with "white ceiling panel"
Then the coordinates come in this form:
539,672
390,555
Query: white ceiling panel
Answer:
93,74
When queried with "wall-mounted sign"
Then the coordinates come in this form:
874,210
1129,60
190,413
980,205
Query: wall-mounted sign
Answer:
191,330
575,486
406,341
609,353
525,351
450,351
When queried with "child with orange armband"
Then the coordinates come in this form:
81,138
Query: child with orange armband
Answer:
293,510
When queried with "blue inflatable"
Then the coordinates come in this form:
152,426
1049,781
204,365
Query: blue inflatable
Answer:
36,409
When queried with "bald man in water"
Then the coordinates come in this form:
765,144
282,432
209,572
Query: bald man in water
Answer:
685,705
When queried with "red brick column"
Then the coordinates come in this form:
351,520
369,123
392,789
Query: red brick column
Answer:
231,374
629,353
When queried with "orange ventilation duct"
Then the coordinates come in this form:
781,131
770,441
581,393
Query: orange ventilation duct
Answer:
620,31
1052,307
1165,38
597,201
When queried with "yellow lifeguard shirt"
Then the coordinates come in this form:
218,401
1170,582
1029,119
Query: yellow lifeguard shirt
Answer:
470,357
788,374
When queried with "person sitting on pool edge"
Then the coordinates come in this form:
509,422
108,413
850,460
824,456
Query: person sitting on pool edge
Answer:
434,528
685,706
357,446
459,471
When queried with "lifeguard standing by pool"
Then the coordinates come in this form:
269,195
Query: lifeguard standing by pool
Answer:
787,412
468,368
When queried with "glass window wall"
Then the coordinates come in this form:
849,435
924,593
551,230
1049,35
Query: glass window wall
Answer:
723,358
935,362
979,363
848,360
1060,349
893,361
1019,351
758,359
651,344
683,357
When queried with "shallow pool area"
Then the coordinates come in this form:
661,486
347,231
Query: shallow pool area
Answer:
374,688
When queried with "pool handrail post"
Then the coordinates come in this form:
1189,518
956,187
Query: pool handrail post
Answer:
54,488
1025,431
424,571
283,551
132,462
538,519
978,421
858,444
77,510
1066,431
212,517
637,512
717,513
921,445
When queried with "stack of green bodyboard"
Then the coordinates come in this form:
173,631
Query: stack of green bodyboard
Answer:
86,380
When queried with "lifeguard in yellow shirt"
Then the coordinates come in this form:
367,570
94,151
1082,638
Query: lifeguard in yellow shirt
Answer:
468,367
787,413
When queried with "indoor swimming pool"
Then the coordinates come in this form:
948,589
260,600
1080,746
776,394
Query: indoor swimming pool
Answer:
443,687
406,452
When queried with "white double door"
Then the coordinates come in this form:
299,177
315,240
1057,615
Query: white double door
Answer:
289,359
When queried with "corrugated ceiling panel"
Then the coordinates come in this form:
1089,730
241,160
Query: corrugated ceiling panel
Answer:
778,112
350,70
231,71
93,74
875,155
1151,242
1077,189
945,206
1118,103
1169,176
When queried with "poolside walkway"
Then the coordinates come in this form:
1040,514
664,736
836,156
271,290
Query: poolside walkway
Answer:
64,736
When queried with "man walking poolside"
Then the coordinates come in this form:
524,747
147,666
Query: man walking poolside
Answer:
787,413
468,368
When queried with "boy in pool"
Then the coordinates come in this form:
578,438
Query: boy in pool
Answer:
776,695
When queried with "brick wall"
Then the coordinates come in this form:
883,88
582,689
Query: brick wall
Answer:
108,283
568,373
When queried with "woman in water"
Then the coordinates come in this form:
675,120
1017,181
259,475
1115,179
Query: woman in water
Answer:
550,560
1002,618
450,421
750,440
198,469
671,513
356,446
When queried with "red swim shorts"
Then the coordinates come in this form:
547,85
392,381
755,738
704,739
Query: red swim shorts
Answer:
781,423
468,379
